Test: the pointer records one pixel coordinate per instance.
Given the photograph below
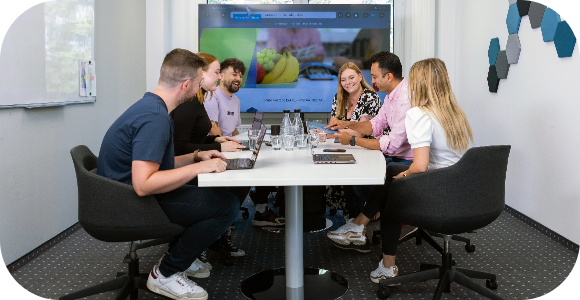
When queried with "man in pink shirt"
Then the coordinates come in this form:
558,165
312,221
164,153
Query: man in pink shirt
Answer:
388,129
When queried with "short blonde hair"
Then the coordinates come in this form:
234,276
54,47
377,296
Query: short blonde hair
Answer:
430,90
342,103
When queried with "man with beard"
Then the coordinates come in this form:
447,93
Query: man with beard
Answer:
138,150
223,108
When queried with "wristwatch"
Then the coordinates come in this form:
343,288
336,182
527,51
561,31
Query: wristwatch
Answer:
353,141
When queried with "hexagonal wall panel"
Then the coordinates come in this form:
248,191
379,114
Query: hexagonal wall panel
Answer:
523,7
564,39
493,50
492,80
536,14
549,24
513,19
501,65
513,49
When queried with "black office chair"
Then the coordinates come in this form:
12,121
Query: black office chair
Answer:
111,211
461,198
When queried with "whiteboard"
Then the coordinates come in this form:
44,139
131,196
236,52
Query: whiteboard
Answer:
40,53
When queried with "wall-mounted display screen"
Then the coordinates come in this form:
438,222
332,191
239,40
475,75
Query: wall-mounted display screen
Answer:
293,52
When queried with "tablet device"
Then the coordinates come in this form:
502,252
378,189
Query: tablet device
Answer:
321,127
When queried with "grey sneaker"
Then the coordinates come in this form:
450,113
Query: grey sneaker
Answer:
176,286
197,270
348,233
384,273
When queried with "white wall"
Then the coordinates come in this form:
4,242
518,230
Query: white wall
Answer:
535,109
38,186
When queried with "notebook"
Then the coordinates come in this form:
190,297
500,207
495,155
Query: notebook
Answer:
327,158
247,163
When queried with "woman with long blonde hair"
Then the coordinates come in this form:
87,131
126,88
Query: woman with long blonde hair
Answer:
354,101
439,134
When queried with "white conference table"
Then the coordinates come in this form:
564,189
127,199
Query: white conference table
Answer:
293,170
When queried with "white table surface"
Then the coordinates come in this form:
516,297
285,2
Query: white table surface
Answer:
293,168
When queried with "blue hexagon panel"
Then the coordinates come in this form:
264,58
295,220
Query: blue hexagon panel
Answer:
549,24
513,19
492,51
564,39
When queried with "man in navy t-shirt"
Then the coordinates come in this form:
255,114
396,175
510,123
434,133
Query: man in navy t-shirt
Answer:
138,150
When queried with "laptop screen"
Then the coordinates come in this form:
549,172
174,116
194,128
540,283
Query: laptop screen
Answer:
259,143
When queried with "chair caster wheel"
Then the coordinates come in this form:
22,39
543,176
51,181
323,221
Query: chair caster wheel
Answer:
245,215
383,292
376,240
332,211
469,248
491,284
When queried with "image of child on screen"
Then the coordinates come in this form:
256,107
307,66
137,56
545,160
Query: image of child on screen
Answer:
305,43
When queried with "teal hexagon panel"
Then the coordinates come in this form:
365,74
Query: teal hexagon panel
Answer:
513,19
549,24
492,51
564,39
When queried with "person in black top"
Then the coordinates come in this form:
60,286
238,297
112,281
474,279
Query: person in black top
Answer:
191,128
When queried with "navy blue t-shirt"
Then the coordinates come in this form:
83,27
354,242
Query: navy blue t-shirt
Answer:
143,132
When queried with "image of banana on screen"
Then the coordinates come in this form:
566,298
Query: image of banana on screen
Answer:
276,68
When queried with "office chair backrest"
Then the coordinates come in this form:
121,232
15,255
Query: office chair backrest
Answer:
111,211
463,197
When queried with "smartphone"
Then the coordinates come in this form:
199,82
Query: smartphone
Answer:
334,150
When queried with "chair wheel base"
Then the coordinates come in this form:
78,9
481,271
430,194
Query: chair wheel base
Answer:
383,292
469,248
491,284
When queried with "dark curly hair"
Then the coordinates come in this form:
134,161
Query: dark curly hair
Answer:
388,63
236,64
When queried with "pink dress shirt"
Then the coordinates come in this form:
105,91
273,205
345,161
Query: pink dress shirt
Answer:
392,114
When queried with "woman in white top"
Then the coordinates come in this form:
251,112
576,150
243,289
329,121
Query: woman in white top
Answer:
439,134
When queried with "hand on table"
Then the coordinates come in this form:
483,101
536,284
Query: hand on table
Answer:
343,137
223,139
214,165
231,146
207,155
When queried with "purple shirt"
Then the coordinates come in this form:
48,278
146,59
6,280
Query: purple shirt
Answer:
225,110
392,114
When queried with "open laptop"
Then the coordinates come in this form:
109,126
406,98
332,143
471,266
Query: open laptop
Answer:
327,158
247,163
255,126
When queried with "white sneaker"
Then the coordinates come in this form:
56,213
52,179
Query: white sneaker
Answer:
349,233
177,286
197,270
384,273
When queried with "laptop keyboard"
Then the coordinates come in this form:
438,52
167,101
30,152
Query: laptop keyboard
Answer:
238,163
326,157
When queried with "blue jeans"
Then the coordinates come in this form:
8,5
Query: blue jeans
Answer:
356,196
207,213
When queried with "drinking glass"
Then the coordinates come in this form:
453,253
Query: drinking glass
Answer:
276,142
253,136
314,136
322,137
288,142
302,141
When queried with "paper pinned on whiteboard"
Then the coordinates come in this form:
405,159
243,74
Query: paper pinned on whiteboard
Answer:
87,78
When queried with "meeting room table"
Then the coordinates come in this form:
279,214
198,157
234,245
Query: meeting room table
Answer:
293,170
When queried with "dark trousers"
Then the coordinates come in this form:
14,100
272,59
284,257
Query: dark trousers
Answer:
358,196
390,230
206,212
